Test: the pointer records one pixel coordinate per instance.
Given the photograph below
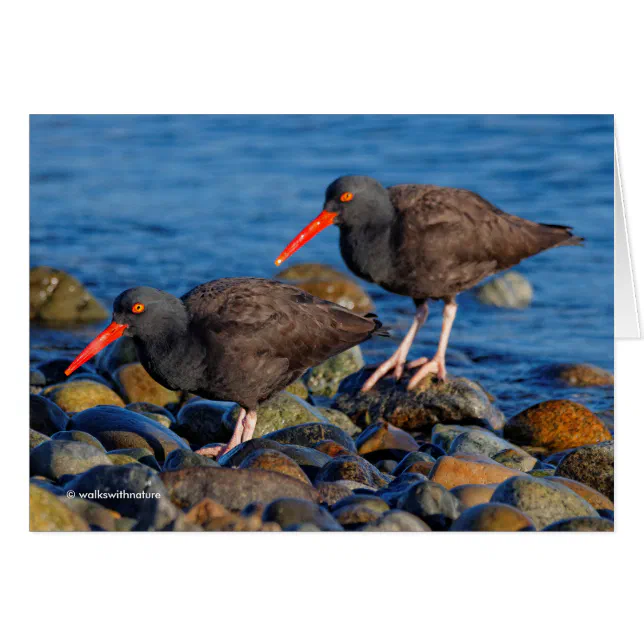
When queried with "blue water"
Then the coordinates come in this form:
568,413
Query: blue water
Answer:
172,201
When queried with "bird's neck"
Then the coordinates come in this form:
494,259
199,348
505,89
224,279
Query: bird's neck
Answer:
366,244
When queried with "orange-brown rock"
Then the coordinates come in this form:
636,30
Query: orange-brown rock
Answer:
332,448
459,469
583,375
472,494
271,460
383,435
595,498
420,467
556,425
206,510
492,517
136,385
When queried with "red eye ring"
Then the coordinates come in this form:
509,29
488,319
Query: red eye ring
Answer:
346,196
138,308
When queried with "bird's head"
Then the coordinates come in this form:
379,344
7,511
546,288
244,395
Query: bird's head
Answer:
140,312
349,201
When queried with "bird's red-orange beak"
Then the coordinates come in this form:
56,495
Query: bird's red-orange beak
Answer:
322,221
113,332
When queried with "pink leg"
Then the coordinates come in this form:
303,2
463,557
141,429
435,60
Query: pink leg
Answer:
397,360
233,442
437,363
249,425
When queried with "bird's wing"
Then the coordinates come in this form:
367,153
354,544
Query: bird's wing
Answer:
268,316
465,230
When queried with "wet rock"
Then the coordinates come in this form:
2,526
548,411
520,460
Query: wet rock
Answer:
479,441
472,494
283,410
543,501
595,498
55,297
556,425
46,416
82,437
331,493
271,460
78,395
118,353
581,524
331,449
119,428
136,385
35,438
48,513
337,418
329,284
352,468
236,456
581,375
516,459
592,465
509,291
451,471
414,458
383,435
457,400
134,491
308,434
95,514
233,488
291,512
181,459
324,379
55,458
399,487
298,388
396,521
442,436
202,422
432,503
493,517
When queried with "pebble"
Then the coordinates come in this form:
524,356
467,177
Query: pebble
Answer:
396,521
432,503
282,410
291,512
233,488
308,434
337,418
493,517
48,513
82,437
454,401
135,384
582,375
79,395
271,460
479,441
352,468
556,425
508,291
451,471
415,458
35,438
309,459
324,379
382,435
358,513
119,428
55,458
543,501
95,514
46,416
153,411
331,493
141,454
236,456
592,465
516,459
181,459
595,498
472,494
201,422
442,436
581,524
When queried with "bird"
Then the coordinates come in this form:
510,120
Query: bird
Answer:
425,242
240,340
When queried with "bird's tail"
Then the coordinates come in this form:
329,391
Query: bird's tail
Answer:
379,329
568,238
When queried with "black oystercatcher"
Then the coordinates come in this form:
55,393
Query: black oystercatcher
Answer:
235,339
425,242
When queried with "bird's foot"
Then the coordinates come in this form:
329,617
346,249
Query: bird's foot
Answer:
394,363
435,365
213,452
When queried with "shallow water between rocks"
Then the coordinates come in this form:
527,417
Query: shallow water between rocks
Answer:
175,201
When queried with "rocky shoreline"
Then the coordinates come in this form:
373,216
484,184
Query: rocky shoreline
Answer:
112,450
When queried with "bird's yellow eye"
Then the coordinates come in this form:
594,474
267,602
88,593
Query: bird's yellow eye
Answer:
346,196
138,308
